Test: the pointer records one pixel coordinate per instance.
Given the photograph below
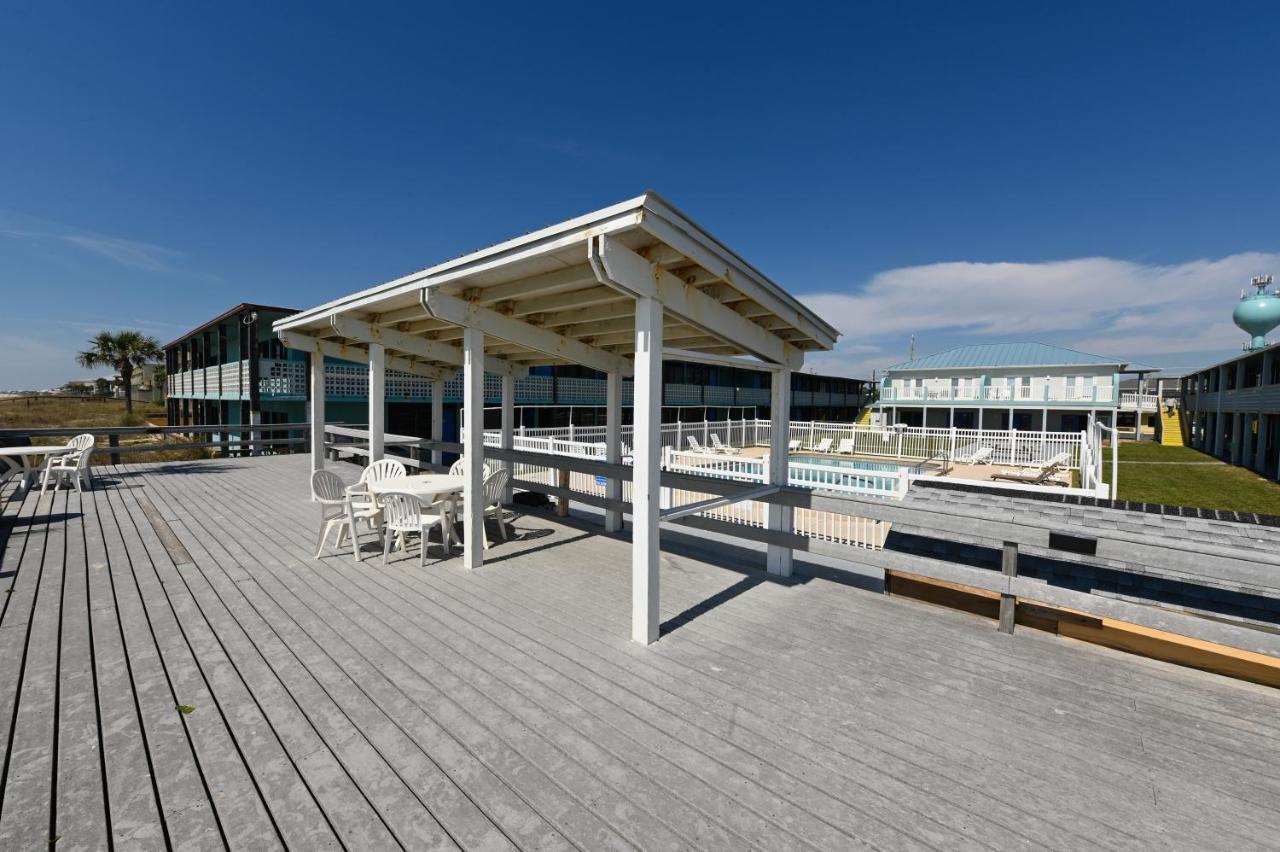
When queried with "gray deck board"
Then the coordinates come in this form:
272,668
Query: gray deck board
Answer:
366,707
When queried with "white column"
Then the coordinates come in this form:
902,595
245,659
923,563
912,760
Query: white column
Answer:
317,412
646,486
613,444
473,445
778,558
508,429
437,420
377,400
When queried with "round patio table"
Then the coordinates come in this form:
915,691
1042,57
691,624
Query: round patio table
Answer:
27,460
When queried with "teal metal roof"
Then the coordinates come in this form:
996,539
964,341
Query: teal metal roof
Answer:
1010,355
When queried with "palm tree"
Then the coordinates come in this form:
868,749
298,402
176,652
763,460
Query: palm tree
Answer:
121,350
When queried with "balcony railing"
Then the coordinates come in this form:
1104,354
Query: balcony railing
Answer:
1039,393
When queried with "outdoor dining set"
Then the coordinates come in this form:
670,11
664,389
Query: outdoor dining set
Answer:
54,464
388,502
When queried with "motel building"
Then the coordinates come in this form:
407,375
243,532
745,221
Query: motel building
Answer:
1023,386
1232,408
233,370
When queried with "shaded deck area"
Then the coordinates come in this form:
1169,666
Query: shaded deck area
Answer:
176,669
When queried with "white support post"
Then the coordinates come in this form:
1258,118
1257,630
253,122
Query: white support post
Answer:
778,559
317,412
473,445
646,483
508,430
377,400
613,446
437,420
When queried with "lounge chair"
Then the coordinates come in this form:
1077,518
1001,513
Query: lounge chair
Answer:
793,446
974,454
1038,475
823,446
721,447
845,447
695,444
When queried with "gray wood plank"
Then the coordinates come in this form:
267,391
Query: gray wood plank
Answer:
185,806
80,820
26,818
130,780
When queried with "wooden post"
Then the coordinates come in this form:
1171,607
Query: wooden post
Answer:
473,445
646,485
317,412
562,501
437,420
778,559
613,446
377,400
113,440
1008,603
507,435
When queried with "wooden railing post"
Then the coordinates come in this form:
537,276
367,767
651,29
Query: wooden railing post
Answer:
562,501
113,440
1008,603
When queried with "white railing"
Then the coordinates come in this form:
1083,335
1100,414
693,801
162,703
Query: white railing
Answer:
1140,401
907,443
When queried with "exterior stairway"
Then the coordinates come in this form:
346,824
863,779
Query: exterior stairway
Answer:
864,417
1171,428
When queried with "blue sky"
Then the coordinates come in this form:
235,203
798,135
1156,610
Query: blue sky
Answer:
1096,175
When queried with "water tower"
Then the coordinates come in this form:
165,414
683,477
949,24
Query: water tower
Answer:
1258,313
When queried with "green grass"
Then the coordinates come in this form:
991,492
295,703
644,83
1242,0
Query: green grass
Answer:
1189,481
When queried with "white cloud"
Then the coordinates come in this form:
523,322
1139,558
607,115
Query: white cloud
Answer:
132,253
1100,305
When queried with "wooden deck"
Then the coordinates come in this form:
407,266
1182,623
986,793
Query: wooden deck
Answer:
331,705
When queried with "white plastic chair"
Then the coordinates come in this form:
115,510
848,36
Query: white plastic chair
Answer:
694,444
379,471
491,497
823,446
459,468
404,514
73,466
721,447
845,447
340,510
793,446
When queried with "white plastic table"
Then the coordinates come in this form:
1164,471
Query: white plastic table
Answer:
28,459
428,487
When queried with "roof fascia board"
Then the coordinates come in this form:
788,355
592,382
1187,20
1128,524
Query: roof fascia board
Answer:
618,217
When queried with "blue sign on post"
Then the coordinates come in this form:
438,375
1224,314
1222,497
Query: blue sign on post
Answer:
602,480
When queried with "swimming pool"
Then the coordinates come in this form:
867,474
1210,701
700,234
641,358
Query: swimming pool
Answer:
850,474
857,464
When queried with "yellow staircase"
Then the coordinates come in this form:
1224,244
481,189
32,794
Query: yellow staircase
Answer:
1171,428
864,418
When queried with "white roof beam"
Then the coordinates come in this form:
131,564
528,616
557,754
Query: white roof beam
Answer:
741,279
421,347
352,352
548,283
622,267
469,315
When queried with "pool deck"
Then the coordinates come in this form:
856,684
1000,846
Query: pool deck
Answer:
344,706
